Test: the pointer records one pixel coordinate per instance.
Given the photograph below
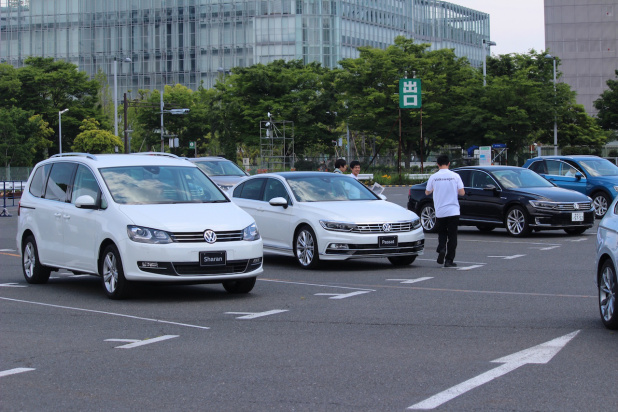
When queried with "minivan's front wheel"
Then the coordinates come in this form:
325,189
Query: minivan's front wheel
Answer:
607,295
34,271
239,285
114,282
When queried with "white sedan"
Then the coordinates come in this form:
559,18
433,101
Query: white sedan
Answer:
327,216
606,263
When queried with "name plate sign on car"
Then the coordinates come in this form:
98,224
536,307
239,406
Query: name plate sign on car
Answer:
577,217
213,258
387,241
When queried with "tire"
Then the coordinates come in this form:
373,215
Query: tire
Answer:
576,230
485,228
239,286
34,271
112,274
607,295
428,218
601,203
402,260
517,222
306,248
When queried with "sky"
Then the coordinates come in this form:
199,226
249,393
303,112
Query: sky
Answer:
515,25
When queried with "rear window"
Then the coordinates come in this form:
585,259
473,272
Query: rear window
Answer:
37,184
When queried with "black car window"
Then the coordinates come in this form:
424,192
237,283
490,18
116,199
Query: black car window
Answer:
274,188
59,181
251,189
39,180
480,179
465,176
539,167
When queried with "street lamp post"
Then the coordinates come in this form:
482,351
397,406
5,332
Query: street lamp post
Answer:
485,45
126,60
60,128
549,56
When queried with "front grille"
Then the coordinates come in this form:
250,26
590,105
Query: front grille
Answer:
379,227
584,206
193,237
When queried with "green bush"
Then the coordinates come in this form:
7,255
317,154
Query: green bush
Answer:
580,150
306,165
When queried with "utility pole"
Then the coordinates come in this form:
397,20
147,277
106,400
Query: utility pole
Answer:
126,134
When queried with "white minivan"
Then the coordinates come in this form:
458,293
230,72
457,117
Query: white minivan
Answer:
127,218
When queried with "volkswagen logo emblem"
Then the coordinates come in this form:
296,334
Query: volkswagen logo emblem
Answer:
210,236
576,206
386,227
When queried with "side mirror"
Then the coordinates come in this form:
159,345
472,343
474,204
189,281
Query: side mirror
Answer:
491,188
578,176
86,202
381,196
278,201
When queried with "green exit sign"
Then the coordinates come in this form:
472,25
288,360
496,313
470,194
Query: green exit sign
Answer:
410,93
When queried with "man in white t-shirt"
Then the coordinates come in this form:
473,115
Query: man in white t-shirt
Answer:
446,186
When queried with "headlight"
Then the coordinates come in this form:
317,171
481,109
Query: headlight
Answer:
416,223
337,226
539,204
251,232
148,235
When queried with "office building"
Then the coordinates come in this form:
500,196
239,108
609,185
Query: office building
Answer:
192,42
584,35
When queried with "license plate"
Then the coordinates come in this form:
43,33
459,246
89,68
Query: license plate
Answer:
212,258
387,241
577,217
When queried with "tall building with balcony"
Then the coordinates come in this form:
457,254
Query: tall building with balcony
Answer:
584,35
192,42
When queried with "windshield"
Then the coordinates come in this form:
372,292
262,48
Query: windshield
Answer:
329,187
145,185
220,168
599,167
520,178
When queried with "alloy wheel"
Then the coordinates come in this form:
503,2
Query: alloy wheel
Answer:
110,272
607,294
305,247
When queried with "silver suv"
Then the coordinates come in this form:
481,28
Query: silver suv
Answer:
223,172
131,218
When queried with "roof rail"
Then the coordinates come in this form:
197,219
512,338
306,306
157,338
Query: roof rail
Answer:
157,154
88,155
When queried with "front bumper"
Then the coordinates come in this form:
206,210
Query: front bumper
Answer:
559,220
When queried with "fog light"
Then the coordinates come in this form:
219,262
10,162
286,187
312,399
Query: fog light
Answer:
537,221
148,264
256,261
339,246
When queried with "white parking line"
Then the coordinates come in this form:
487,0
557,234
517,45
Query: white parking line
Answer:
343,295
14,371
507,257
252,315
409,280
12,285
106,313
469,267
135,344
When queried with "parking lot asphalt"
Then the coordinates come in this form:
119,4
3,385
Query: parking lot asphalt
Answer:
514,327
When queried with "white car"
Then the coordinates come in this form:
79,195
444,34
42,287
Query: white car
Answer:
606,260
223,172
328,216
132,218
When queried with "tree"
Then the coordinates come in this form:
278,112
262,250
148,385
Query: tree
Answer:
607,105
22,136
94,140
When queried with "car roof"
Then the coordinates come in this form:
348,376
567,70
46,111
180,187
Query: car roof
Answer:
489,168
574,157
286,175
117,160
207,158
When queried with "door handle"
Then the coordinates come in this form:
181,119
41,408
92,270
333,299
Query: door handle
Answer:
57,214
67,217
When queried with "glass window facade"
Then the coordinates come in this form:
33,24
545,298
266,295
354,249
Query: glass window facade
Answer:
195,41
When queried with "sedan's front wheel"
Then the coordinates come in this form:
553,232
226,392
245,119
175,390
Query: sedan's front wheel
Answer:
428,218
112,273
517,222
607,295
306,248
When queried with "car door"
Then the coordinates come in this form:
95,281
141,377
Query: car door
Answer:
82,226
248,195
565,175
276,220
51,214
482,200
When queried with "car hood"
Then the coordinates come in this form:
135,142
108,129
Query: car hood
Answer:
359,211
188,217
556,194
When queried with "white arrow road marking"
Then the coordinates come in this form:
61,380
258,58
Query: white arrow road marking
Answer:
7,250
508,257
545,248
409,280
578,240
251,315
136,343
14,371
469,267
12,285
344,295
539,354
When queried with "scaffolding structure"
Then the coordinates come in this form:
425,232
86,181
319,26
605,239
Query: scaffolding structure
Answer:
277,145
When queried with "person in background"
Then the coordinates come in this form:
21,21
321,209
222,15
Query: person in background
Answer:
355,168
340,166
446,186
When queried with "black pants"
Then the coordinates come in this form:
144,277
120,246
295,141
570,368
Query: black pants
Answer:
447,235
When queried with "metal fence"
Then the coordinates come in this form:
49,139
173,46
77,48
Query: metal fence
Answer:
10,193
